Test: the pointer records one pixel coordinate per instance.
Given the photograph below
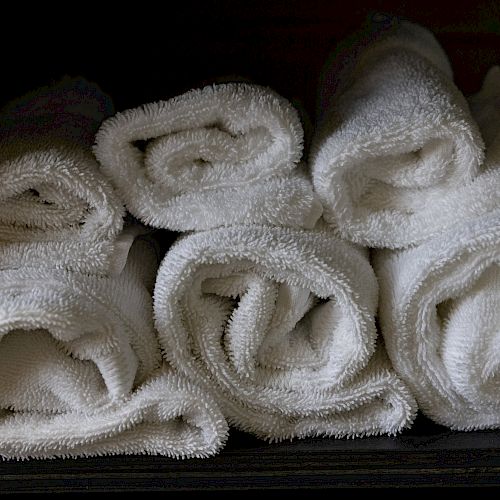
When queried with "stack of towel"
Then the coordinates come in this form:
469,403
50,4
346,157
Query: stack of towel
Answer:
440,301
263,313
267,309
81,367
399,163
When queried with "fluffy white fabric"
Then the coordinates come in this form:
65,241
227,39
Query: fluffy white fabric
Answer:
165,416
440,302
56,207
80,369
278,324
439,314
398,139
223,155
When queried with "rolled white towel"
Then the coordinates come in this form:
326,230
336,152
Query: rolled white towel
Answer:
439,314
80,369
223,155
398,138
56,207
278,324
164,416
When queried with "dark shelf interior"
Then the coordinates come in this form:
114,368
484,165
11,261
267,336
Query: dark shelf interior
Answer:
141,55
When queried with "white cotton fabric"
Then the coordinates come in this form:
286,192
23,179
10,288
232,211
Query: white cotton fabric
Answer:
439,314
81,371
56,208
165,416
278,324
397,142
223,155
440,301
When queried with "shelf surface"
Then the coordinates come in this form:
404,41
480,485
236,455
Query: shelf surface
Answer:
426,455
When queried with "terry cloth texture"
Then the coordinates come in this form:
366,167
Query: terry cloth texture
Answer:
439,301
81,371
396,143
278,324
227,154
56,207
439,314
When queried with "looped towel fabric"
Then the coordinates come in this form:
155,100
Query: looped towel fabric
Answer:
223,155
56,208
439,313
440,301
278,324
81,371
395,144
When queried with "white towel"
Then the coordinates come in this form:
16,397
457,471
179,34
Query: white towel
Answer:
439,314
223,155
278,324
56,207
165,416
81,369
440,302
399,137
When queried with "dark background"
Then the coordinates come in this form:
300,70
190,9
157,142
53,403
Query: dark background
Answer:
146,52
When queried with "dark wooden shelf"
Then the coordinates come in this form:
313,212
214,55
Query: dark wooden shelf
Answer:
424,456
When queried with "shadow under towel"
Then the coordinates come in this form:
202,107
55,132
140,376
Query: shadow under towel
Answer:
278,324
56,207
223,155
81,370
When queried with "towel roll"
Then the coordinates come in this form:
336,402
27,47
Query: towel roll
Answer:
81,369
223,155
56,207
439,314
278,324
397,139
165,416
